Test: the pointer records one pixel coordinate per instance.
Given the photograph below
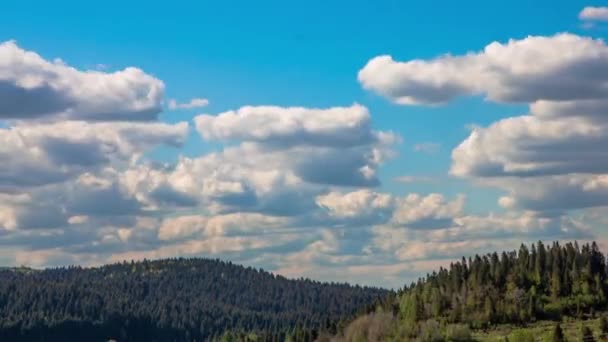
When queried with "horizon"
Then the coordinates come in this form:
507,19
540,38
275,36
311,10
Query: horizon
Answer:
469,258
365,144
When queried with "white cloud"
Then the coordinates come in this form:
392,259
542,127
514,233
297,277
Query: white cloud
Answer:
288,126
214,245
591,13
220,225
193,103
561,67
552,159
552,193
414,211
559,142
41,154
34,88
333,146
529,146
360,207
427,212
290,189
471,234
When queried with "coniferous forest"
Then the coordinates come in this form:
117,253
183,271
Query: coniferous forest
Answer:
169,300
211,300
535,283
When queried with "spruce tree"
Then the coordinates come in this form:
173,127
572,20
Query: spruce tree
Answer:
558,334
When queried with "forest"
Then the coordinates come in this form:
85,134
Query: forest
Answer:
553,292
537,283
170,300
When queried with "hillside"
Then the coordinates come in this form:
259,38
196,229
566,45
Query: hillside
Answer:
520,296
496,295
168,300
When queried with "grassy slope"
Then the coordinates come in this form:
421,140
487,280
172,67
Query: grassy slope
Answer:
542,330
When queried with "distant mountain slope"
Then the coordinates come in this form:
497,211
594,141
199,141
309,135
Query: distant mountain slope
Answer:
535,283
167,300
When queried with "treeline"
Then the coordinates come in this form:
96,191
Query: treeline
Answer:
171,300
537,282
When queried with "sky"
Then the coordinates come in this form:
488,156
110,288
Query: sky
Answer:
368,142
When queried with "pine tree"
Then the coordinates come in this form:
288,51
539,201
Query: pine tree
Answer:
558,334
556,279
539,266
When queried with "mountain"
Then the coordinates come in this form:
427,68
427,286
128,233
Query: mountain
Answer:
536,283
170,300
521,294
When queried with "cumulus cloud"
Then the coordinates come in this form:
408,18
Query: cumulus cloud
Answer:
559,142
333,146
41,154
291,188
358,207
529,146
235,180
560,67
551,159
553,193
591,13
34,88
427,212
334,127
220,225
215,245
193,103
414,211
475,234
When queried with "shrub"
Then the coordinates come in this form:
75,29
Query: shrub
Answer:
371,327
431,332
587,334
458,333
604,325
521,335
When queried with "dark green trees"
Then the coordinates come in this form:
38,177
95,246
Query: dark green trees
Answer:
558,334
170,300
587,334
604,325
536,282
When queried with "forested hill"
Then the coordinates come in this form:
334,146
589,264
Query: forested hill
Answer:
537,282
168,300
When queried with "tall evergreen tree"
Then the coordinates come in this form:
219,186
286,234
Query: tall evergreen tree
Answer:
558,334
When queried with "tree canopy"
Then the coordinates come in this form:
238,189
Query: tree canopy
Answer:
169,300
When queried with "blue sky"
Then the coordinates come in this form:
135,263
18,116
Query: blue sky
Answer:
304,54
298,54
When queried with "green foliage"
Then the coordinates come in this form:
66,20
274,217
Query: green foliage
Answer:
431,331
603,325
534,283
558,334
587,334
458,333
371,327
172,300
521,335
